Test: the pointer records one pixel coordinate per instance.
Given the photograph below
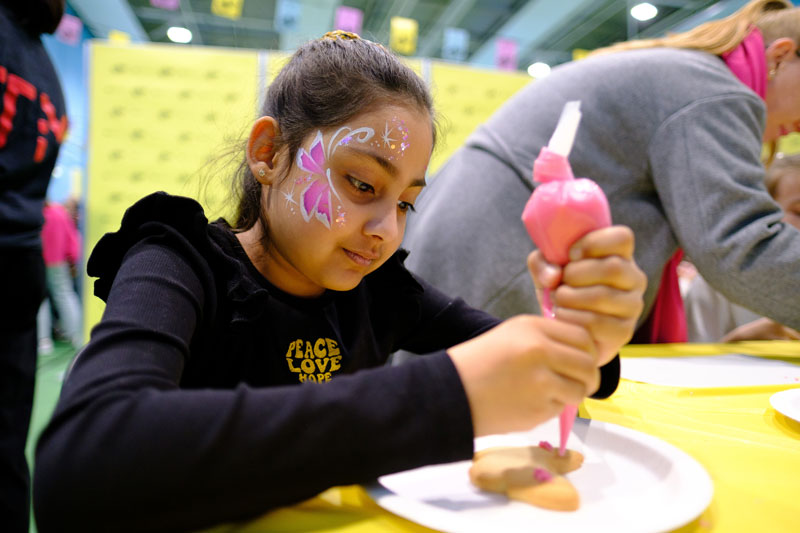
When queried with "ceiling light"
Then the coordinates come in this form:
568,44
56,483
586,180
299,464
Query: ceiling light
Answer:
179,34
644,11
539,69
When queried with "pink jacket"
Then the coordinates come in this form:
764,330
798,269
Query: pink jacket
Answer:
61,241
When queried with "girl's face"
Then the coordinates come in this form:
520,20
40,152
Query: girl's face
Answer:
341,210
783,93
787,194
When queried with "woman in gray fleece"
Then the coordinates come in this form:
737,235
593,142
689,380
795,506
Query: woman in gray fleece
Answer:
672,130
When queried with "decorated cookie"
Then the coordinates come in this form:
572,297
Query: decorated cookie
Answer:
531,474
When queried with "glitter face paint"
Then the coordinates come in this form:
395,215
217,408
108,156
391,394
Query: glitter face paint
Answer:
395,137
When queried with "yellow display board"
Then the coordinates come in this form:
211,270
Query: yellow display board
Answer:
163,116
158,115
464,97
789,144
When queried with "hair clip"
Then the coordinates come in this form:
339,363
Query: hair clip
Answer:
341,34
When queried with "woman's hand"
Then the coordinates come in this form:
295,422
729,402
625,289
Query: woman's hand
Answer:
762,329
601,288
524,371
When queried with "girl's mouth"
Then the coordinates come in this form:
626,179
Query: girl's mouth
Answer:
360,259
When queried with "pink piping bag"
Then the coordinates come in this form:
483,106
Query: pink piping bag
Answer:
561,210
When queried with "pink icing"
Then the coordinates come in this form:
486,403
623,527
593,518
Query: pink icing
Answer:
545,445
540,474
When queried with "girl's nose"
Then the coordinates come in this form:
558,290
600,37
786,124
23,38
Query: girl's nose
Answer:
383,223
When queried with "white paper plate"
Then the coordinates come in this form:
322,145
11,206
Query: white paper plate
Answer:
629,481
732,370
787,403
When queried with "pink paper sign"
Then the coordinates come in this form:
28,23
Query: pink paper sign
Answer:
69,29
172,5
348,19
505,56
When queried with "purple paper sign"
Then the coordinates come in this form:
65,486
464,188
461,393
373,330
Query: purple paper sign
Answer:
172,5
348,19
69,29
505,57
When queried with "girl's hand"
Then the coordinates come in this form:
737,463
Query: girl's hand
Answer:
523,371
601,288
762,329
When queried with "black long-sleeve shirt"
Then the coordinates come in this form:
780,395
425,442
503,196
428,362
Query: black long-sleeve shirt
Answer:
207,395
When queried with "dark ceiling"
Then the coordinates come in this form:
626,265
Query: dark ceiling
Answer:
546,30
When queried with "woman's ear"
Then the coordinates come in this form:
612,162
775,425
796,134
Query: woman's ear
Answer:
779,51
261,149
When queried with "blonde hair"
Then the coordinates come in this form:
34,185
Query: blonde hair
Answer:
775,19
782,167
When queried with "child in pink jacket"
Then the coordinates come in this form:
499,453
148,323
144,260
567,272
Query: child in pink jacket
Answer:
61,244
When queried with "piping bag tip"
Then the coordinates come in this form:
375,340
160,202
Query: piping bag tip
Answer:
565,421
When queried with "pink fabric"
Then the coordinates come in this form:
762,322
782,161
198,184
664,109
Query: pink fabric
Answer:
667,320
61,241
749,62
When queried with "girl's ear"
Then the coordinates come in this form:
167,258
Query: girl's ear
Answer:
261,149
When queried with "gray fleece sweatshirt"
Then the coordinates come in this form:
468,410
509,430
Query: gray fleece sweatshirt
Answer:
674,140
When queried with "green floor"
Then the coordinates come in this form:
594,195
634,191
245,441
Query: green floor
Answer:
49,374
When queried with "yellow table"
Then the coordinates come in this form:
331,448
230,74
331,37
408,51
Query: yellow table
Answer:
751,451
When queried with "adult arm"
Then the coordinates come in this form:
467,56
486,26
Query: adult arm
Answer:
705,161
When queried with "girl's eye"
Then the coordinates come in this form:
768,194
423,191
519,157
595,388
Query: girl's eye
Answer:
359,185
405,206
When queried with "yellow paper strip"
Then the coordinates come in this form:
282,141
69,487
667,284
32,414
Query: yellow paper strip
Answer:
690,349
231,9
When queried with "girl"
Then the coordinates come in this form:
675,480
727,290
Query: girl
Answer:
239,368
672,130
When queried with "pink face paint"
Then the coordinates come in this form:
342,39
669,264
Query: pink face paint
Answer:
315,198
312,161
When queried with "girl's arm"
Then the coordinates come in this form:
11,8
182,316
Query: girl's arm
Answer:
128,450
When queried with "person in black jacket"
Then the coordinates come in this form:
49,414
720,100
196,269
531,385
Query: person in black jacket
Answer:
241,367
32,125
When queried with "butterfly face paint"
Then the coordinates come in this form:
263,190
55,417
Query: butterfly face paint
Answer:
318,193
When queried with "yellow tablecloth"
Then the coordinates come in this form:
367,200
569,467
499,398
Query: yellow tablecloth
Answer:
751,451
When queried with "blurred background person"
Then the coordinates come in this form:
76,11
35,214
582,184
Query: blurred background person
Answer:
672,130
710,316
61,244
32,127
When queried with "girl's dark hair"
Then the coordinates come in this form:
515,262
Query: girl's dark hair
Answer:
327,82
